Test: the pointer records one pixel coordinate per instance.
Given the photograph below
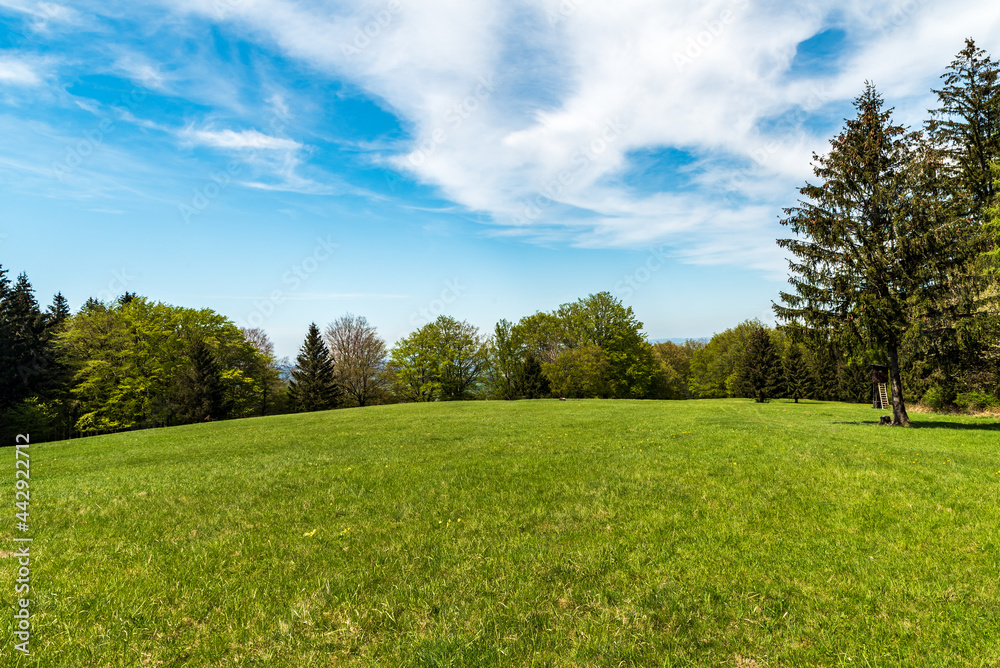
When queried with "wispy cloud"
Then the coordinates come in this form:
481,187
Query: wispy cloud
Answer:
252,140
43,13
525,139
531,113
18,72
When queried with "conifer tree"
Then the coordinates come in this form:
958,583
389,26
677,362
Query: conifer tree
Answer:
25,345
967,123
58,311
952,335
313,385
531,382
874,237
758,374
795,373
200,393
8,366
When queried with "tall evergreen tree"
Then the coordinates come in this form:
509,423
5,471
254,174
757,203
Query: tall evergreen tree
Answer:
58,311
313,385
8,365
795,372
967,123
758,373
26,342
872,238
952,335
200,394
531,382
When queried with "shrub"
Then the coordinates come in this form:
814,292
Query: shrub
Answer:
976,401
936,398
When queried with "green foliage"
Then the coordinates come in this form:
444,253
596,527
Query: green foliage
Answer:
532,383
972,402
265,371
444,360
313,386
506,354
42,420
758,372
875,239
598,320
991,226
676,368
967,124
936,399
602,320
25,335
127,359
795,372
713,367
582,372
200,395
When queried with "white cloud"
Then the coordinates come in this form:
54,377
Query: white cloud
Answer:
529,110
141,71
18,73
242,140
43,13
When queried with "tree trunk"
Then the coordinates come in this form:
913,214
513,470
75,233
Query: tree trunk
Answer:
899,416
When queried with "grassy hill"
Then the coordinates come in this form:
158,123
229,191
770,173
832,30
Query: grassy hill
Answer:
598,533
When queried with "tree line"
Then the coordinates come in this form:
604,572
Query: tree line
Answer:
134,363
895,260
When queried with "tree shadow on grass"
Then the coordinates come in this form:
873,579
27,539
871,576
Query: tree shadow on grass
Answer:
990,426
993,426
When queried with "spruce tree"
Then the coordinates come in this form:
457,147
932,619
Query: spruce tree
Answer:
952,335
795,372
58,311
531,382
8,366
200,393
313,385
967,123
25,356
873,238
758,374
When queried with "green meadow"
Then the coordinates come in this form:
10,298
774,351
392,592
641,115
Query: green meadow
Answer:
529,533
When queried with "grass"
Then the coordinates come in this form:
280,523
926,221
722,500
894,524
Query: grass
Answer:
542,533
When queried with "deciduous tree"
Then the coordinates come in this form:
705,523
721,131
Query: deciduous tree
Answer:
359,357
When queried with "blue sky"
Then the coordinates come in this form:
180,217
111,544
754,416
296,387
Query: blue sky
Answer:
287,162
